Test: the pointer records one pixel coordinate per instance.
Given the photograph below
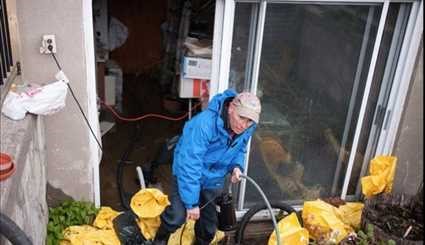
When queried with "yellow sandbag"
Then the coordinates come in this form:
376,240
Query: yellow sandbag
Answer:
381,170
351,213
104,218
290,231
149,226
89,235
149,203
324,222
189,235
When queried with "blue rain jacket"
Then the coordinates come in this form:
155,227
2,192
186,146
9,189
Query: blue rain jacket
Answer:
205,152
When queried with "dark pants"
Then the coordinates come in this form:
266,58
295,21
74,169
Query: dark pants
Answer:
175,214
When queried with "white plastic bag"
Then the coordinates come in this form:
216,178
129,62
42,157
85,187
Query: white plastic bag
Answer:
44,100
13,107
48,100
118,33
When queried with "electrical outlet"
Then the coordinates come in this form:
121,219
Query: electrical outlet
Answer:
48,40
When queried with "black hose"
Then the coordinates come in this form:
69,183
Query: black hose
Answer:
161,158
269,207
12,232
125,203
252,211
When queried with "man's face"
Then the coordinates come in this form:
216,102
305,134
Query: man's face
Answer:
238,124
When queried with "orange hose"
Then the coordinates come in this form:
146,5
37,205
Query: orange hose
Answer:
125,119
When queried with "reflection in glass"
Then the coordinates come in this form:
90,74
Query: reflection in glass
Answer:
313,58
394,30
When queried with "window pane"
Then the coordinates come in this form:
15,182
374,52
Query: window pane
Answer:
242,45
389,52
313,70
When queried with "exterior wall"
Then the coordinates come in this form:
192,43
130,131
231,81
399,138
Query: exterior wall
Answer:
71,156
409,145
23,194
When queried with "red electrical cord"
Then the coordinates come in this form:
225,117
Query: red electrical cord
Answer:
147,115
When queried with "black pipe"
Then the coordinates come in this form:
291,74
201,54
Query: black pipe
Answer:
12,232
255,209
125,203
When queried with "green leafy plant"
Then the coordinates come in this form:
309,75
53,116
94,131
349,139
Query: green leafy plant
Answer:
368,238
66,214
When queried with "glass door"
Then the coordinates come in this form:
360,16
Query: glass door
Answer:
322,71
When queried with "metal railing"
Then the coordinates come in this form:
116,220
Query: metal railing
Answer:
6,61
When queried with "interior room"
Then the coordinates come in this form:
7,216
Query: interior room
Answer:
140,47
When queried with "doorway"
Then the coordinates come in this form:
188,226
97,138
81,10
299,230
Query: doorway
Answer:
139,46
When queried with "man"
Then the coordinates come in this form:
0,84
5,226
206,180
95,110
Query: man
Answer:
213,144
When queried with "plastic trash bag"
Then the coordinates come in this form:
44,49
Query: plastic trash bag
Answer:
88,235
148,204
105,217
40,100
381,170
149,226
291,232
127,229
351,214
189,235
47,100
12,106
324,222
131,227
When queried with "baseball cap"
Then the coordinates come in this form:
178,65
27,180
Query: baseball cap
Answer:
248,105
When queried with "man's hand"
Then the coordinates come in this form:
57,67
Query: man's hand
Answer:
236,175
192,213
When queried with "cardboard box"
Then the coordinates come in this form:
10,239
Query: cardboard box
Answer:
196,68
193,88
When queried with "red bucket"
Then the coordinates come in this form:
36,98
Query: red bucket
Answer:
7,167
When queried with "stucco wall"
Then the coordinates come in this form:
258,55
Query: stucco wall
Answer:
69,143
409,145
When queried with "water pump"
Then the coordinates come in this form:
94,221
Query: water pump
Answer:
226,212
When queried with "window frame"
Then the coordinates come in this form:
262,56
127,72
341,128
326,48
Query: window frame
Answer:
222,44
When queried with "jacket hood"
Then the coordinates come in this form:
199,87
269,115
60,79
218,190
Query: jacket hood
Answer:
216,104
